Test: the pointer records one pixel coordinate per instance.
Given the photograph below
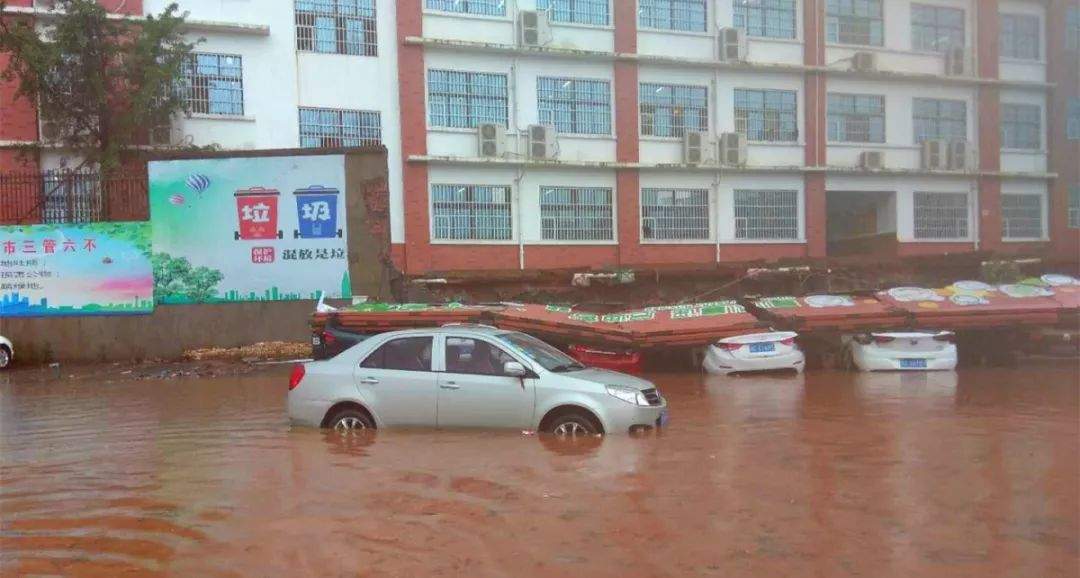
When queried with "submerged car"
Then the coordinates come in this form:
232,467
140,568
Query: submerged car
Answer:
469,376
903,351
773,351
7,352
331,340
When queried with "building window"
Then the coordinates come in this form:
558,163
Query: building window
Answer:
1019,36
595,12
1072,126
471,213
466,99
936,28
327,127
675,214
483,7
1074,207
576,214
1021,216
1072,28
1021,126
941,215
336,27
213,84
944,119
767,115
767,18
856,118
673,14
574,106
855,22
766,215
670,110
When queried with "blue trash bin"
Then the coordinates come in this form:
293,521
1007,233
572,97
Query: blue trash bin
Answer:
316,213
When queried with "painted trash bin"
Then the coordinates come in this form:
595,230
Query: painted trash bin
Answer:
316,213
257,211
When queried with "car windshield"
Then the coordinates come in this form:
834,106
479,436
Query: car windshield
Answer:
550,358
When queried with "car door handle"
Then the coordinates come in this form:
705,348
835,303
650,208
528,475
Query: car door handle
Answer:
449,385
369,381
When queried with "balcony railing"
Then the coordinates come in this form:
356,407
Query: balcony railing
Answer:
72,196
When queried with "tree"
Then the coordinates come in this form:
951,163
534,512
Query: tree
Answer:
175,280
202,284
101,80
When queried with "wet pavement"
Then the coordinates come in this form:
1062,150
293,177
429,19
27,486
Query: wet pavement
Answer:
826,475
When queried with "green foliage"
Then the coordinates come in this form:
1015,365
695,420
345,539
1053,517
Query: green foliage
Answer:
176,281
999,272
102,81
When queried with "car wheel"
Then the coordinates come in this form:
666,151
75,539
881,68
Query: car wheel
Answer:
350,420
573,424
5,357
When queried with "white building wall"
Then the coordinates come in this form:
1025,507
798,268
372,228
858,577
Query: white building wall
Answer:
1018,69
904,189
1026,160
1036,187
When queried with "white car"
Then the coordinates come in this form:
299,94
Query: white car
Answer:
904,351
7,352
755,352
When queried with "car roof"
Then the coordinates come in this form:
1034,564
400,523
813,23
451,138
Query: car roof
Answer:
455,328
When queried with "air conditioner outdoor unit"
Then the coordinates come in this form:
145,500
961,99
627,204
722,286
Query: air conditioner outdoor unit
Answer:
534,28
50,131
864,62
732,45
491,140
733,149
956,61
871,160
959,155
935,154
541,142
694,143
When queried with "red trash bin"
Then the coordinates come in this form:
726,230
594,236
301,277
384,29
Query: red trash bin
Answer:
257,211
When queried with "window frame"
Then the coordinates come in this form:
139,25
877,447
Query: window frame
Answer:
796,216
671,9
839,41
511,237
1072,219
1041,198
1072,28
576,191
765,21
187,81
574,111
383,344
472,119
369,27
847,116
1015,106
446,347
1016,18
435,6
915,229
709,209
937,27
554,12
937,118
677,131
1072,119
765,93
340,114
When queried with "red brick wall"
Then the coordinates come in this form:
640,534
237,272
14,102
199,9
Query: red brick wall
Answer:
628,149
814,132
917,249
988,126
416,256
1064,153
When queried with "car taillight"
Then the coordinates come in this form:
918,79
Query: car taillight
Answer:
296,376
883,339
945,337
731,346
863,339
789,341
328,338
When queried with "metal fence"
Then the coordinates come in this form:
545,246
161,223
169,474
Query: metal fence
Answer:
68,196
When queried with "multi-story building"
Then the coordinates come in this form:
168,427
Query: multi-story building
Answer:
555,134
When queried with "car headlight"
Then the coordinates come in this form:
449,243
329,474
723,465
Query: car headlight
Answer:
627,394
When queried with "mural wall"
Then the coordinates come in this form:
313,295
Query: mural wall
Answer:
249,229
88,269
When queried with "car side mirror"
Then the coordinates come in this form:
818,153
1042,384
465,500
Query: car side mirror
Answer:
514,369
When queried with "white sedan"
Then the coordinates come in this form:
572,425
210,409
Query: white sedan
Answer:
773,351
904,351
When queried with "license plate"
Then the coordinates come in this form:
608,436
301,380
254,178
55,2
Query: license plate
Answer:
912,364
315,341
762,347
664,419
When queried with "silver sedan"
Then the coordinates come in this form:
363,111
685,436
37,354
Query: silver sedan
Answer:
469,376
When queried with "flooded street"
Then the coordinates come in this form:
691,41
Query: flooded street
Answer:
829,474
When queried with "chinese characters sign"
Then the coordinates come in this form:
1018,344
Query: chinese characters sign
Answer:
90,269
249,229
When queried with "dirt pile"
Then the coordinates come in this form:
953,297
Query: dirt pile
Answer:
263,351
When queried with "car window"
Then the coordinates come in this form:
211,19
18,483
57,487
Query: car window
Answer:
406,354
475,356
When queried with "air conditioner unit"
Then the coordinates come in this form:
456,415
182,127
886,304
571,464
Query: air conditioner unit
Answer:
732,45
541,142
864,62
871,160
491,140
956,63
50,131
935,154
694,143
733,149
959,155
534,28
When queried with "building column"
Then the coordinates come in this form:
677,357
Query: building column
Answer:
988,125
1064,73
415,256
627,147
814,133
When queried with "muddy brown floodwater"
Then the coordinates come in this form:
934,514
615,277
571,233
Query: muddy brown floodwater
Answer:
826,475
